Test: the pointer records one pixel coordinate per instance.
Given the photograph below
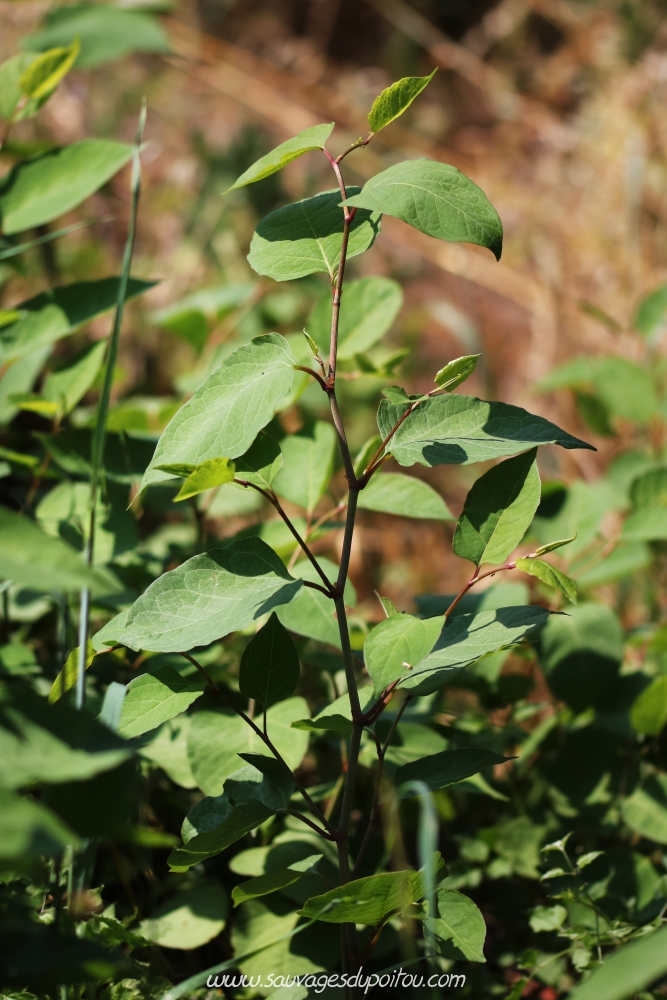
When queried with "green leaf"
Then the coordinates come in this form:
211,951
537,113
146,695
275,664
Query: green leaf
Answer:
217,738
58,312
67,677
628,970
651,312
44,73
460,929
552,546
394,100
152,699
456,372
239,820
307,237
29,830
261,463
645,811
189,919
269,668
547,918
551,576
189,318
168,748
371,900
648,713
308,459
365,454
274,881
10,92
37,191
465,638
206,476
398,644
625,560
65,512
437,199
441,769
52,743
105,32
336,717
311,138
498,511
227,411
67,386
625,389
209,596
457,430
313,614
368,308
394,493
31,557
649,489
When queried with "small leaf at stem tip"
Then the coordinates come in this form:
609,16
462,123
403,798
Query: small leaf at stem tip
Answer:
552,546
397,395
314,349
213,472
45,73
178,469
587,859
388,606
396,99
548,574
456,372
311,138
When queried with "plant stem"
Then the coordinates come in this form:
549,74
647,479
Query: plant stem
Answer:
275,502
213,689
475,578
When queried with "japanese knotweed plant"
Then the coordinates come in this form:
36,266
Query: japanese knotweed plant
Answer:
218,437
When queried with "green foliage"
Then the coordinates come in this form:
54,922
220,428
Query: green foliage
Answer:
435,198
269,668
498,511
305,745
311,138
457,430
105,32
209,596
393,101
306,237
45,188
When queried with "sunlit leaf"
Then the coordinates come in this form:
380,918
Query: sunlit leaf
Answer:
550,575
368,308
311,138
308,458
152,699
394,100
456,372
394,493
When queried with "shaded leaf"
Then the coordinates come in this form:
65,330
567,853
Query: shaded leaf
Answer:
308,459
498,511
336,717
648,713
261,463
263,885
371,900
311,138
313,613
39,190
437,199
227,411
394,493
550,575
307,236
217,738
368,308
394,100
189,919
67,386
269,668
30,556
457,430
651,312
56,313
29,830
441,769
209,596
645,811
465,638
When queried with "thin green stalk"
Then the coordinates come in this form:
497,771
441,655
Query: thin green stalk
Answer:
100,430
